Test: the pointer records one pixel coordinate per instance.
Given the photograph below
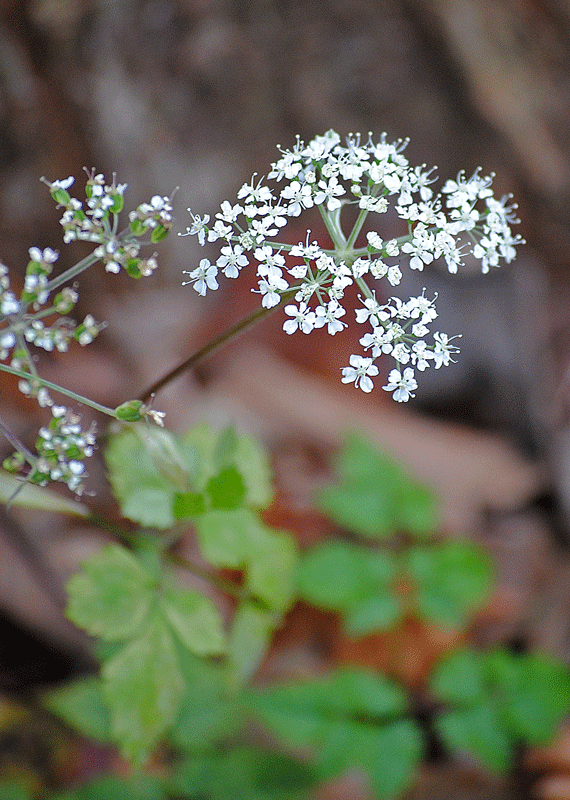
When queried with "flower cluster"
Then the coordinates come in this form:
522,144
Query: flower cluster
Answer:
371,178
38,317
61,448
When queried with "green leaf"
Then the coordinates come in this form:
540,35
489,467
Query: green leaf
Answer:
477,731
377,613
452,579
112,596
111,787
144,686
243,772
390,755
352,718
536,693
144,494
459,678
188,504
330,575
226,489
26,495
214,451
223,536
303,712
81,705
249,640
12,790
196,621
207,713
375,497
272,557
345,577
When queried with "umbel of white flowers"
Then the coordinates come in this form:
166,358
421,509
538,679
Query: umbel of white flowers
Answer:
373,178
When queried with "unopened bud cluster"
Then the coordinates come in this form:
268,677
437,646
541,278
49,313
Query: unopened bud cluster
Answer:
372,179
39,316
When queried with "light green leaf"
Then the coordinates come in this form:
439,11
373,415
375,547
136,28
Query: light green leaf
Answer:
352,718
196,620
81,705
223,536
249,639
144,686
112,596
26,495
272,561
12,790
144,494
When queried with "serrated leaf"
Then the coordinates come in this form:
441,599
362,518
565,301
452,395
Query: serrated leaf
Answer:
144,494
226,489
196,621
223,536
81,705
144,686
214,450
477,731
272,559
249,640
207,713
452,580
26,495
459,678
112,596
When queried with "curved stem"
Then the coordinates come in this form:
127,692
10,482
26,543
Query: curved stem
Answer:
110,412
214,344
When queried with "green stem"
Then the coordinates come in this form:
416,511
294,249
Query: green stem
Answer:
110,412
215,344
225,585
73,272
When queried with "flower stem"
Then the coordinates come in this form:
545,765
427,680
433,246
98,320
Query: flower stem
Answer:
214,344
110,412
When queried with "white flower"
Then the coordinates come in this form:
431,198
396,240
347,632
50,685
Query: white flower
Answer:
203,277
329,316
231,260
229,213
402,386
303,319
443,350
329,193
199,227
359,372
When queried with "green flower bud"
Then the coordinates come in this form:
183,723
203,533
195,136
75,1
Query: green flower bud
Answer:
131,411
158,233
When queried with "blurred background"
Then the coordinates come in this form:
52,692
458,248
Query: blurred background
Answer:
196,94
